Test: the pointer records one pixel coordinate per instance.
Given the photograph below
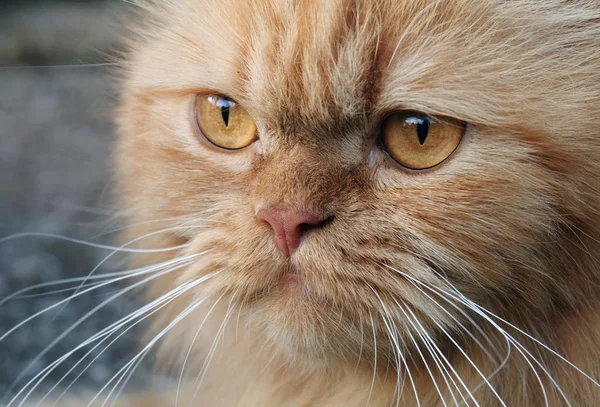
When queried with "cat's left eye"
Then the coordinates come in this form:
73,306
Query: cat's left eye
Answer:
224,122
418,141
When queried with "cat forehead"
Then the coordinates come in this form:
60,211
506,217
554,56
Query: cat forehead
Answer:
319,58
305,58
311,61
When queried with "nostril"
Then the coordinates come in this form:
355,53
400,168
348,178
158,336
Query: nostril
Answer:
327,221
305,227
295,229
289,226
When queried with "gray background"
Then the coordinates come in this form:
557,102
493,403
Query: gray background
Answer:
55,140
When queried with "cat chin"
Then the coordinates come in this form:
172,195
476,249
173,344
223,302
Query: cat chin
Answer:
307,333
295,323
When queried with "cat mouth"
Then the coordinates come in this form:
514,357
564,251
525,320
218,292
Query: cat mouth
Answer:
287,284
293,284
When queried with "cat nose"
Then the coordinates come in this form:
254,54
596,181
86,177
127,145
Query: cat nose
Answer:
290,225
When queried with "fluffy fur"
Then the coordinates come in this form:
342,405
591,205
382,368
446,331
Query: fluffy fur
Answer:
414,292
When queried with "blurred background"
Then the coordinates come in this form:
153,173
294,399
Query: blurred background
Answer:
56,96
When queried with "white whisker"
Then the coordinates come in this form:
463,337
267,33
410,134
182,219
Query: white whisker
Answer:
133,368
374,358
124,246
486,379
106,332
142,272
105,276
418,348
86,243
190,349
81,320
154,340
212,350
362,339
153,307
558,355
518,346
400,354
439,357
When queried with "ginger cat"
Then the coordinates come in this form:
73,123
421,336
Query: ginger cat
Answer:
367,203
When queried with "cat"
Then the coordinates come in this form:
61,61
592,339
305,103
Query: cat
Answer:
366,203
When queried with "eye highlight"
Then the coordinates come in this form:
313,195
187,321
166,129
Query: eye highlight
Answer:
418,141
224,122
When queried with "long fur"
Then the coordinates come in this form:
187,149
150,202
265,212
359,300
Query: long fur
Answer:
509,225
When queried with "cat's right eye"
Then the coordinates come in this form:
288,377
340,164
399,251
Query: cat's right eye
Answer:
418,141
224,122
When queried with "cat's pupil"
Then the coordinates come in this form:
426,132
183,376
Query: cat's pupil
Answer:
224,105
422,124
422,129
225,115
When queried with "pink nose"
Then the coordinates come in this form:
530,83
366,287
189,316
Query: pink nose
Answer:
289,226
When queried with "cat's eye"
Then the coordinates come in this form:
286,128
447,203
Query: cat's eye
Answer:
418,141
224,122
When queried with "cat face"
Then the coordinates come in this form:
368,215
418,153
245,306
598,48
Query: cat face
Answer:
281,140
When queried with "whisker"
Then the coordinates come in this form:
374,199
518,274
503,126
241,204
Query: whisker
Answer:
179,219
134,367
86,243
374,359
212,350
190,349
147,270
539,343
393,335
484,313
85,317
266,366
520,348
53,292
117,250
362,338
160,302
154,340
237,322
397,345
486,379
418,348
104,332
438,356
528,355
105,276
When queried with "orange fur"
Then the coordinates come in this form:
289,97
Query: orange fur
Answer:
511,220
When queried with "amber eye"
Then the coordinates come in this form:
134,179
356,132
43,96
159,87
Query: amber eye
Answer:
224,123
418,141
